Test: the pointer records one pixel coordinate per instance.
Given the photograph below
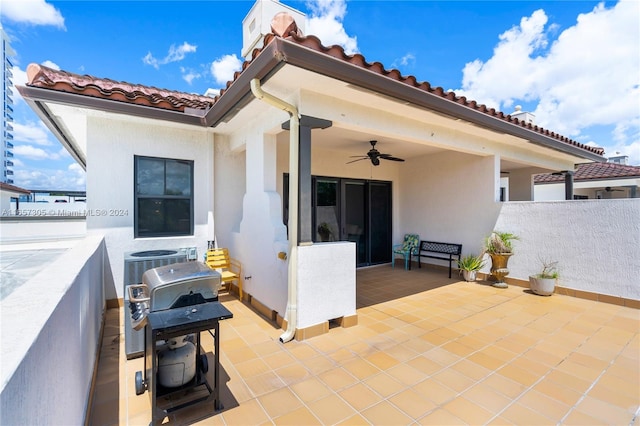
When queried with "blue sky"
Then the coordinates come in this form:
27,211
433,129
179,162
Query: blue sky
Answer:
574,64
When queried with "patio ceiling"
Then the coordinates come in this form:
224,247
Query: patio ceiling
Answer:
351,136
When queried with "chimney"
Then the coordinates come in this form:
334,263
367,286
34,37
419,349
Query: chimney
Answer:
527,117
257,23
619,159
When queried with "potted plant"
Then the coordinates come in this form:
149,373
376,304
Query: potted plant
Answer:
470,265
498,245
544,283
324,230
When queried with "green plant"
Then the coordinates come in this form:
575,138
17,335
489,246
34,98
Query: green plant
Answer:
324,229
549,269
471,262
499,242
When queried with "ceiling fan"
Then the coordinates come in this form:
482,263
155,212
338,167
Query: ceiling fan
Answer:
374,155
609,189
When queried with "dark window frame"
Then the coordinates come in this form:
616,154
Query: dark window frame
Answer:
167,202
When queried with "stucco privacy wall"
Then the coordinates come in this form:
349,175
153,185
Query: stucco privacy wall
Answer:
50,335
112,145
328,271
448,197
22,229
596,242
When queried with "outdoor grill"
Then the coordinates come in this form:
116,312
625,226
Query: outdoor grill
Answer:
174,304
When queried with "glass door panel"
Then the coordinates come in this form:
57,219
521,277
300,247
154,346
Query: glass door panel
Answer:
355,218
326,210
380,220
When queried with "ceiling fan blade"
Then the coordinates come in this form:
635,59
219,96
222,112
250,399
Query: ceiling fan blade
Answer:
359,159
390,157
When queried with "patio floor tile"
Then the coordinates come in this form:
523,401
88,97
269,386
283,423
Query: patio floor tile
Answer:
427,350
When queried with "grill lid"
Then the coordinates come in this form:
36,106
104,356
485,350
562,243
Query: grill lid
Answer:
176,272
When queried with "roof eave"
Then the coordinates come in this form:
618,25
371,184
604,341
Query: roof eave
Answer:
38,97
238,94
51,122
281,51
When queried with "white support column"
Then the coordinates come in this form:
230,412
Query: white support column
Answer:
497,177
262,233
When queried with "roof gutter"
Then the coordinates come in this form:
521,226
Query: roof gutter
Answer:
292,271
38,94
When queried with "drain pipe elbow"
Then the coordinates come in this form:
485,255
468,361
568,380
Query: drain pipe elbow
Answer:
291,315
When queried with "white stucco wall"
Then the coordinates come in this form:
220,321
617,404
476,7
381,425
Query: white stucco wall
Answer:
39,228
111,148
596,242
328,271
448,197
50,337
249,209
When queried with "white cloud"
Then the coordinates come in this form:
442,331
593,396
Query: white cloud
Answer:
407,60
588,76
32,12
148,59
72,179
325,23
30,132
175,54
223,68
51,65
189,75
33,153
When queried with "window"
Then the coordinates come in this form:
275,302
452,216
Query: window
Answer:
163,202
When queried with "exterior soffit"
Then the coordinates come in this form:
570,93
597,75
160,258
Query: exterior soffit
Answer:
316,86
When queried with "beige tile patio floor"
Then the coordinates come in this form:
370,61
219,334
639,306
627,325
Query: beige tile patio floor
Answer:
426,350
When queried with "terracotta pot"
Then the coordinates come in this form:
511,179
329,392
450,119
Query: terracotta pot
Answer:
499,269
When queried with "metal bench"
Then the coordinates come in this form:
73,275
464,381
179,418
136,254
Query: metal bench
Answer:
434,249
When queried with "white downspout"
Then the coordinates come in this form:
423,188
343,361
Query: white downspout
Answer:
291,315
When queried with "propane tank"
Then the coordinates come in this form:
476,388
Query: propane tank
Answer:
177,362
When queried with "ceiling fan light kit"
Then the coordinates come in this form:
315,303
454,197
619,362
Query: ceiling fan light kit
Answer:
374,156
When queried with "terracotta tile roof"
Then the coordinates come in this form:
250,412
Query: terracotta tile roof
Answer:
13,188
63,81
43,77
338,52
593,171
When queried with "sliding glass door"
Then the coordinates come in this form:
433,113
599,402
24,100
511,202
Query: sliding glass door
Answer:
356,210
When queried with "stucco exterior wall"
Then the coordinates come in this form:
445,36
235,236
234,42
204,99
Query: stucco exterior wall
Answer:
328,272
111,148
596,242
448,197
22,229
50,337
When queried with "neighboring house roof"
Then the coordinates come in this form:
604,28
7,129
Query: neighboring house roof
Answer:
12,188
594,172
286,48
